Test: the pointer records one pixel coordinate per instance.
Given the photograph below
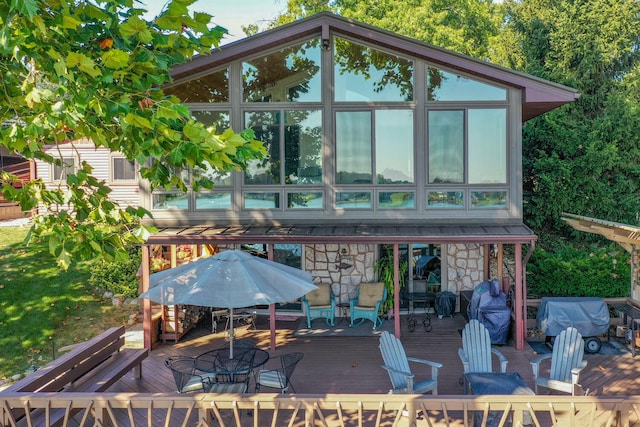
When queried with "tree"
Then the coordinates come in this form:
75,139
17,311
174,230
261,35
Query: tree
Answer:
94,69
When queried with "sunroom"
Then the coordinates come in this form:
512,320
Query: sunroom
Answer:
374,139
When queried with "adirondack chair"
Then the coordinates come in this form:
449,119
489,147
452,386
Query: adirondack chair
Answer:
396,363
366,304
476,351
320,303
566,363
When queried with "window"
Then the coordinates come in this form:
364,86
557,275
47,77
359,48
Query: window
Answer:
364,74
446,147
392,136
213,87
444,86
123,169
65,167
288,75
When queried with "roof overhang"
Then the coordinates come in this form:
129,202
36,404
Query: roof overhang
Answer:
341,234
539,95
628,236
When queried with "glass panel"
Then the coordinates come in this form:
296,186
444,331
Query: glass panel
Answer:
446,147
213,200
213,87
394,147
255,200
289,75
353,200
444,86
67,167
489,199
353,147
445,199
218,119
312,200
396,199
165,201
303,147
487,146
123,169
266,125
363,74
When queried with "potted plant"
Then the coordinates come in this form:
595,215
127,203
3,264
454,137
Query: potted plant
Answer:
384,270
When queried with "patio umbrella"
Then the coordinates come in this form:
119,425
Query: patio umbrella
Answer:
230,279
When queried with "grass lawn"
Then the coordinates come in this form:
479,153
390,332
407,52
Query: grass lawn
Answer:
42,307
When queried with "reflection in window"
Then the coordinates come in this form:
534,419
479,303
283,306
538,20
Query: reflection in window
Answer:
261,200
353,147
444,86
266,125
445,199
487,146
396,199
446,147
489,199
218,119
213,200
164,201
288,75
394,146
303,147
213,87
364,74
353,200
123,169
305,200
66,167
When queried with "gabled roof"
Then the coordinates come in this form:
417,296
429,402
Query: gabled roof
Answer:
539,95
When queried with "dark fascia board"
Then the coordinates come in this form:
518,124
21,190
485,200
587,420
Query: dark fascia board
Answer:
539,95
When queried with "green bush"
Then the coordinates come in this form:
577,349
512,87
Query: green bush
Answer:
567,271
117,277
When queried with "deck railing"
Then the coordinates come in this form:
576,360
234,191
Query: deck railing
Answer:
138,409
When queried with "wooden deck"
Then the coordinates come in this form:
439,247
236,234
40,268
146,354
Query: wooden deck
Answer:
351,365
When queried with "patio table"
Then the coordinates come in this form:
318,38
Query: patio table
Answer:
231,371
497,383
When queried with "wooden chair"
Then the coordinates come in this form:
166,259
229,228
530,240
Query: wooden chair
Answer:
476,351
366,304
566,363
320,303
396,363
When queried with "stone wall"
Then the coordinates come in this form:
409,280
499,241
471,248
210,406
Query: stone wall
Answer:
465,266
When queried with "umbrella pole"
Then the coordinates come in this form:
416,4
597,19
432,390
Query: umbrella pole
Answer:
231,333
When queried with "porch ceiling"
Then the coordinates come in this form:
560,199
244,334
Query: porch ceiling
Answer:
340,233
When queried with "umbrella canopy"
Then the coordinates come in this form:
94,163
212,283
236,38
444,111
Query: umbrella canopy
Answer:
231,279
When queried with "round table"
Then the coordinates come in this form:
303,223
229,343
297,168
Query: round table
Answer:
231,370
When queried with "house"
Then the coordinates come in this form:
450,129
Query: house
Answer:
376,141
23,169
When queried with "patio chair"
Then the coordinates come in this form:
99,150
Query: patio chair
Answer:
566,363
476,351
366,304
320,303
280,377
396,363
183,370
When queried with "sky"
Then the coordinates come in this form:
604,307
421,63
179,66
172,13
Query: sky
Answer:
231,14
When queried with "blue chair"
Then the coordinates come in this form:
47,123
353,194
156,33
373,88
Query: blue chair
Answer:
320,303
366,304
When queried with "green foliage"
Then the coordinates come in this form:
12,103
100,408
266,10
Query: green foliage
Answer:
119,277
384,269
93,70
602,272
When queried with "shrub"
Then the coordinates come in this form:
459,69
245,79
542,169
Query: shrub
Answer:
118,277
567,271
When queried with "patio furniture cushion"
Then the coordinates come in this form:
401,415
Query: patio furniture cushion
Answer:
320,296
370,294
320,303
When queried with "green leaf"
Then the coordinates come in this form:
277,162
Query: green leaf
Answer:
28,7
115,58
83,63
70,22
167,113
138,121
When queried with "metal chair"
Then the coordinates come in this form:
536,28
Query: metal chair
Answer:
366,304
566,363
476,351
279,378
320,303
183,370
396,363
